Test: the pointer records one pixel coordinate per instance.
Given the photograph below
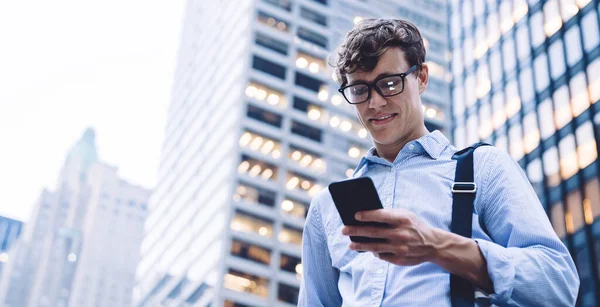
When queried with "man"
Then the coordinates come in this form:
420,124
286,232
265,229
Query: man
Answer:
513,258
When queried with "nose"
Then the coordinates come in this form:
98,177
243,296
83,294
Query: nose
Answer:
376,100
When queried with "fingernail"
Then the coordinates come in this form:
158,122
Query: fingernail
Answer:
358,216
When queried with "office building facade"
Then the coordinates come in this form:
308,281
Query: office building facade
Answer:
10,230
255,128
526,78
81,246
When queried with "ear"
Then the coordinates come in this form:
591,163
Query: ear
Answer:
423,78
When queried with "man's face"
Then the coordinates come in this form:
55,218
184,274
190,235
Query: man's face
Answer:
391,120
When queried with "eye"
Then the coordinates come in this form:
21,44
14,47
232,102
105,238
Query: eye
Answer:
358,90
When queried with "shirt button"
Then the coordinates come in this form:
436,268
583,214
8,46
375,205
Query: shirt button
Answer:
411,146
379,271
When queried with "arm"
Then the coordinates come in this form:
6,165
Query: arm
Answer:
319,278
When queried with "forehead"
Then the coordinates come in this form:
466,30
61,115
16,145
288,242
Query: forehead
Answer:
392,61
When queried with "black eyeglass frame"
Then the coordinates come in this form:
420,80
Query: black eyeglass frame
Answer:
373,84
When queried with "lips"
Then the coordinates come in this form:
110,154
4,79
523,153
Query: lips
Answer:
381,119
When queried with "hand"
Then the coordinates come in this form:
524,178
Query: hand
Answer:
410,241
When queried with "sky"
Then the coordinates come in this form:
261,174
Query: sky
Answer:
66,65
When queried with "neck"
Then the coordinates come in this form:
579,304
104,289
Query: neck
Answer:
390,151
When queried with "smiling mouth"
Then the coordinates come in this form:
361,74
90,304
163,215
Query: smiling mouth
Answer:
383,119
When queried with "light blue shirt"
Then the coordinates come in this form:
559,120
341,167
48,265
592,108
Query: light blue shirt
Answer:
526,261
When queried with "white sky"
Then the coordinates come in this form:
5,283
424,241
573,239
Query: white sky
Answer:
69,64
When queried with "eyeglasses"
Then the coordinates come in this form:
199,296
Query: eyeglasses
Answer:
386,86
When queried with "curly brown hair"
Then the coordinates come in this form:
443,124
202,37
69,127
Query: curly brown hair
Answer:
369,39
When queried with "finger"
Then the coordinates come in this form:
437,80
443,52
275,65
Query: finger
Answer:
371,247
388,216
368,231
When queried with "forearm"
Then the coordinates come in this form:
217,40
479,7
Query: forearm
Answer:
461,256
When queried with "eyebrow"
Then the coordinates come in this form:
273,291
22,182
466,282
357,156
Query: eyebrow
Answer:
383,74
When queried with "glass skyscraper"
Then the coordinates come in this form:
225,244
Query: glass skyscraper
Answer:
526,78
255,128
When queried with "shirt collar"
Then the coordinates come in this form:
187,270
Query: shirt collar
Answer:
433,144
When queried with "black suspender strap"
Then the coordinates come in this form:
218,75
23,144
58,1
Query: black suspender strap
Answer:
463,195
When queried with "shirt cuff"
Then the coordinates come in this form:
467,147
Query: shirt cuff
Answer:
500,268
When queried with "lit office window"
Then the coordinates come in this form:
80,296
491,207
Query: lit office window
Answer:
470,92
575,219
526,84
355,151
290,264
250,252
256,168
306,159
498,110
506,18
586,151
273,22
568,157
467,14
485,120
294,208
593,73
591,36
573,44
481,44
536,175
457,61
562,107
290,235
580,100
552,18
246,283
516,142
536,24
345,125
455,23
458,106
520,9
228,303
542,77
472,135
523,46
312,111
311,63
429,111
513,101
551,166
260,143
288,294
557,62
468,51
582,3
591,203
502,142
459,137
493,29
248,223
532,134
546,118
483,81
253,194
478,8
264,93
436,69
508,54
557,217
495,66
568,9
298,182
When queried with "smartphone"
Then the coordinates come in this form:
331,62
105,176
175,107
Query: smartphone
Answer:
354,195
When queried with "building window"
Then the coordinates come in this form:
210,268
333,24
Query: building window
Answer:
586,152
458,102
260,143
557,59
283,4
459,136
246,283
508,52
526,85
513,101
468,51
309,83
250,252
557,217
516,141
306,159
542,77
312,111
551,167
295,181
546,117
256,168
591,203
288,294
273,22
532,134
574,214
467,14
537,29
568,157
501,142
264,116
591,37
536,176
253,194
493,28
290,264
312,63
593,73
312,37
573,44
290,235
306,131
457,63
264,93
562,107
229,303
472,135
313,16
485,120
483,82
268,67
580,100
523,46
506,16
271,43
294,208
552,17
244,222
568,9
498,110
